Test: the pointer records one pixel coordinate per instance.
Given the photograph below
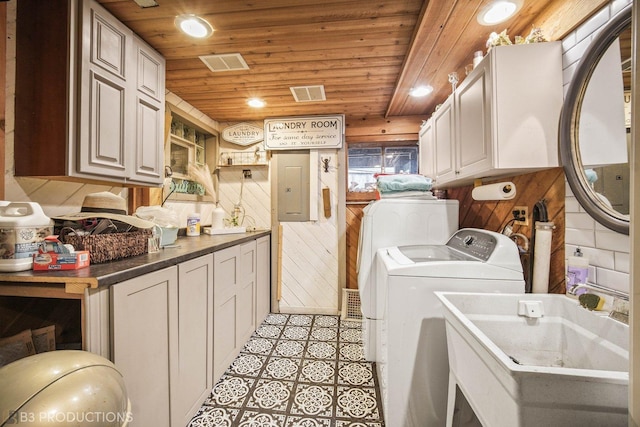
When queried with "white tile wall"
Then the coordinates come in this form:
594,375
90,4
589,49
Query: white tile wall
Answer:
608,251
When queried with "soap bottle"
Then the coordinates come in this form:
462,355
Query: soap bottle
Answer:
577,271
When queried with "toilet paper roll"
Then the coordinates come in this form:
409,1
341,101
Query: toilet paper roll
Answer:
497,191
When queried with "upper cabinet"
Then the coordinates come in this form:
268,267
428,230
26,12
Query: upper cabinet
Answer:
89,96
503,118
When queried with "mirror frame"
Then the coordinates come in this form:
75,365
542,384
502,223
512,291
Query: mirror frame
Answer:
570,125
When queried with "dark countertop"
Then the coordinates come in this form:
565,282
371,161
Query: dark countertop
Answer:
106,274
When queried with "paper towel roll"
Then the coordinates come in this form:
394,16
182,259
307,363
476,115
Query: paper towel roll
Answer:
497,191
542,257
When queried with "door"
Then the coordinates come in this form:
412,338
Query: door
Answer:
427,150
141,318
191,338
263,278
148,167
226,279
105,93
473,125
246,297
444,142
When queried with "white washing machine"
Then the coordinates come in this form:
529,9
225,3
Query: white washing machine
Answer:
413,367
389,222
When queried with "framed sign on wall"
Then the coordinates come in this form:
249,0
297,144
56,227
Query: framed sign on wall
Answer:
303,133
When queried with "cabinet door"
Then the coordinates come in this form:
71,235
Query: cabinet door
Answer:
473,125
444,142
149,131
246,297
191,339
427,150
226,279
141,318
263,279
105,95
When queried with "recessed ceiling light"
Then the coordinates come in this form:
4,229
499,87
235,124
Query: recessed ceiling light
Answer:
421,91
256,103
194,26
498,11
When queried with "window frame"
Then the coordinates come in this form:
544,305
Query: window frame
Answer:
365,197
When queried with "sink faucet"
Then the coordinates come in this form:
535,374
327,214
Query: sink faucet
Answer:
619,301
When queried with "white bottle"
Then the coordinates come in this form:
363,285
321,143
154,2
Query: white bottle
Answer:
477,58
217,218
577,271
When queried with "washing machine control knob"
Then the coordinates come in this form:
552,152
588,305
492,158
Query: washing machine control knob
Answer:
468,240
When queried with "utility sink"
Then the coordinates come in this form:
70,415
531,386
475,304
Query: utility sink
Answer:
555,363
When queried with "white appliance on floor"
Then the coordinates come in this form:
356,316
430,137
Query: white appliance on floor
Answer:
413,367
389,222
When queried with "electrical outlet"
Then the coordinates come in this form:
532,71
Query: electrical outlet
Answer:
521,215
246,173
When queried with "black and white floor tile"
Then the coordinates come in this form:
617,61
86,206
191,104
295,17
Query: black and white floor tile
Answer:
297,371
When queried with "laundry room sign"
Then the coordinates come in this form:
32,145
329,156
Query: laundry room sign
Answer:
243,134
301,133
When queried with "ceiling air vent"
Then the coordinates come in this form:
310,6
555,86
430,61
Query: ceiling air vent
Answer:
225,62
308,93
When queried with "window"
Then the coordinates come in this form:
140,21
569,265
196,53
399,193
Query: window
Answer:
365,161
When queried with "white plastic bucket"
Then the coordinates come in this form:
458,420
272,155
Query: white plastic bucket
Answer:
23,225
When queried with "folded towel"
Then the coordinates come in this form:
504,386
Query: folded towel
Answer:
419,195
403,182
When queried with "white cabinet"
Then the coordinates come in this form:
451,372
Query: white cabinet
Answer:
175,331
426,165
191,339
444,150
234,303
104,121
437,143
263,278
163,342
141,316
121,112
504,114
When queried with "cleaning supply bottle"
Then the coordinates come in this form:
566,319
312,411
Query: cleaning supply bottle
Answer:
577,271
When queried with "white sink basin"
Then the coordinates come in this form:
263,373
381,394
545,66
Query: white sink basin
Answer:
568,367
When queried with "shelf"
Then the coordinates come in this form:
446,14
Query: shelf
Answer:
243,158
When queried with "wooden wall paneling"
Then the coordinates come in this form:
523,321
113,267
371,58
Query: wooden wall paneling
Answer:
531,188
354,218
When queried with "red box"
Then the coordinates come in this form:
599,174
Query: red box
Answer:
53,261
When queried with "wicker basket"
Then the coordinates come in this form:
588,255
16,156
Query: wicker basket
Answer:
110,247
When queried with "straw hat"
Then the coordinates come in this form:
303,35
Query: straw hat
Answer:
106,205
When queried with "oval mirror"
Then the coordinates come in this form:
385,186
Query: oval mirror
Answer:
595,129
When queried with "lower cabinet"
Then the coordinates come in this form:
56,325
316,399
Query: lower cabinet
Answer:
175,331
163,341
141,316
234,318
191,339
263,279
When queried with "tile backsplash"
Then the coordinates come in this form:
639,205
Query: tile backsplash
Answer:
608,251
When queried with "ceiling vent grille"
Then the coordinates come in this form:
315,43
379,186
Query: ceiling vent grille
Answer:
308,93
225,62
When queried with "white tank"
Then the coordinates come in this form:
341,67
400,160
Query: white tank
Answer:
23,225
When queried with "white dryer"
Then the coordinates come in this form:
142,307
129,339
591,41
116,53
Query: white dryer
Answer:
413,367
396,222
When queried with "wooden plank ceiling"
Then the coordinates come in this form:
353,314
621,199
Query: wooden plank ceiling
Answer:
366,53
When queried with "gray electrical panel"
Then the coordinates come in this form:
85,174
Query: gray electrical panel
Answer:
293,185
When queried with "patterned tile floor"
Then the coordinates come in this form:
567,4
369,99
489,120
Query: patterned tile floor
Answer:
297,370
